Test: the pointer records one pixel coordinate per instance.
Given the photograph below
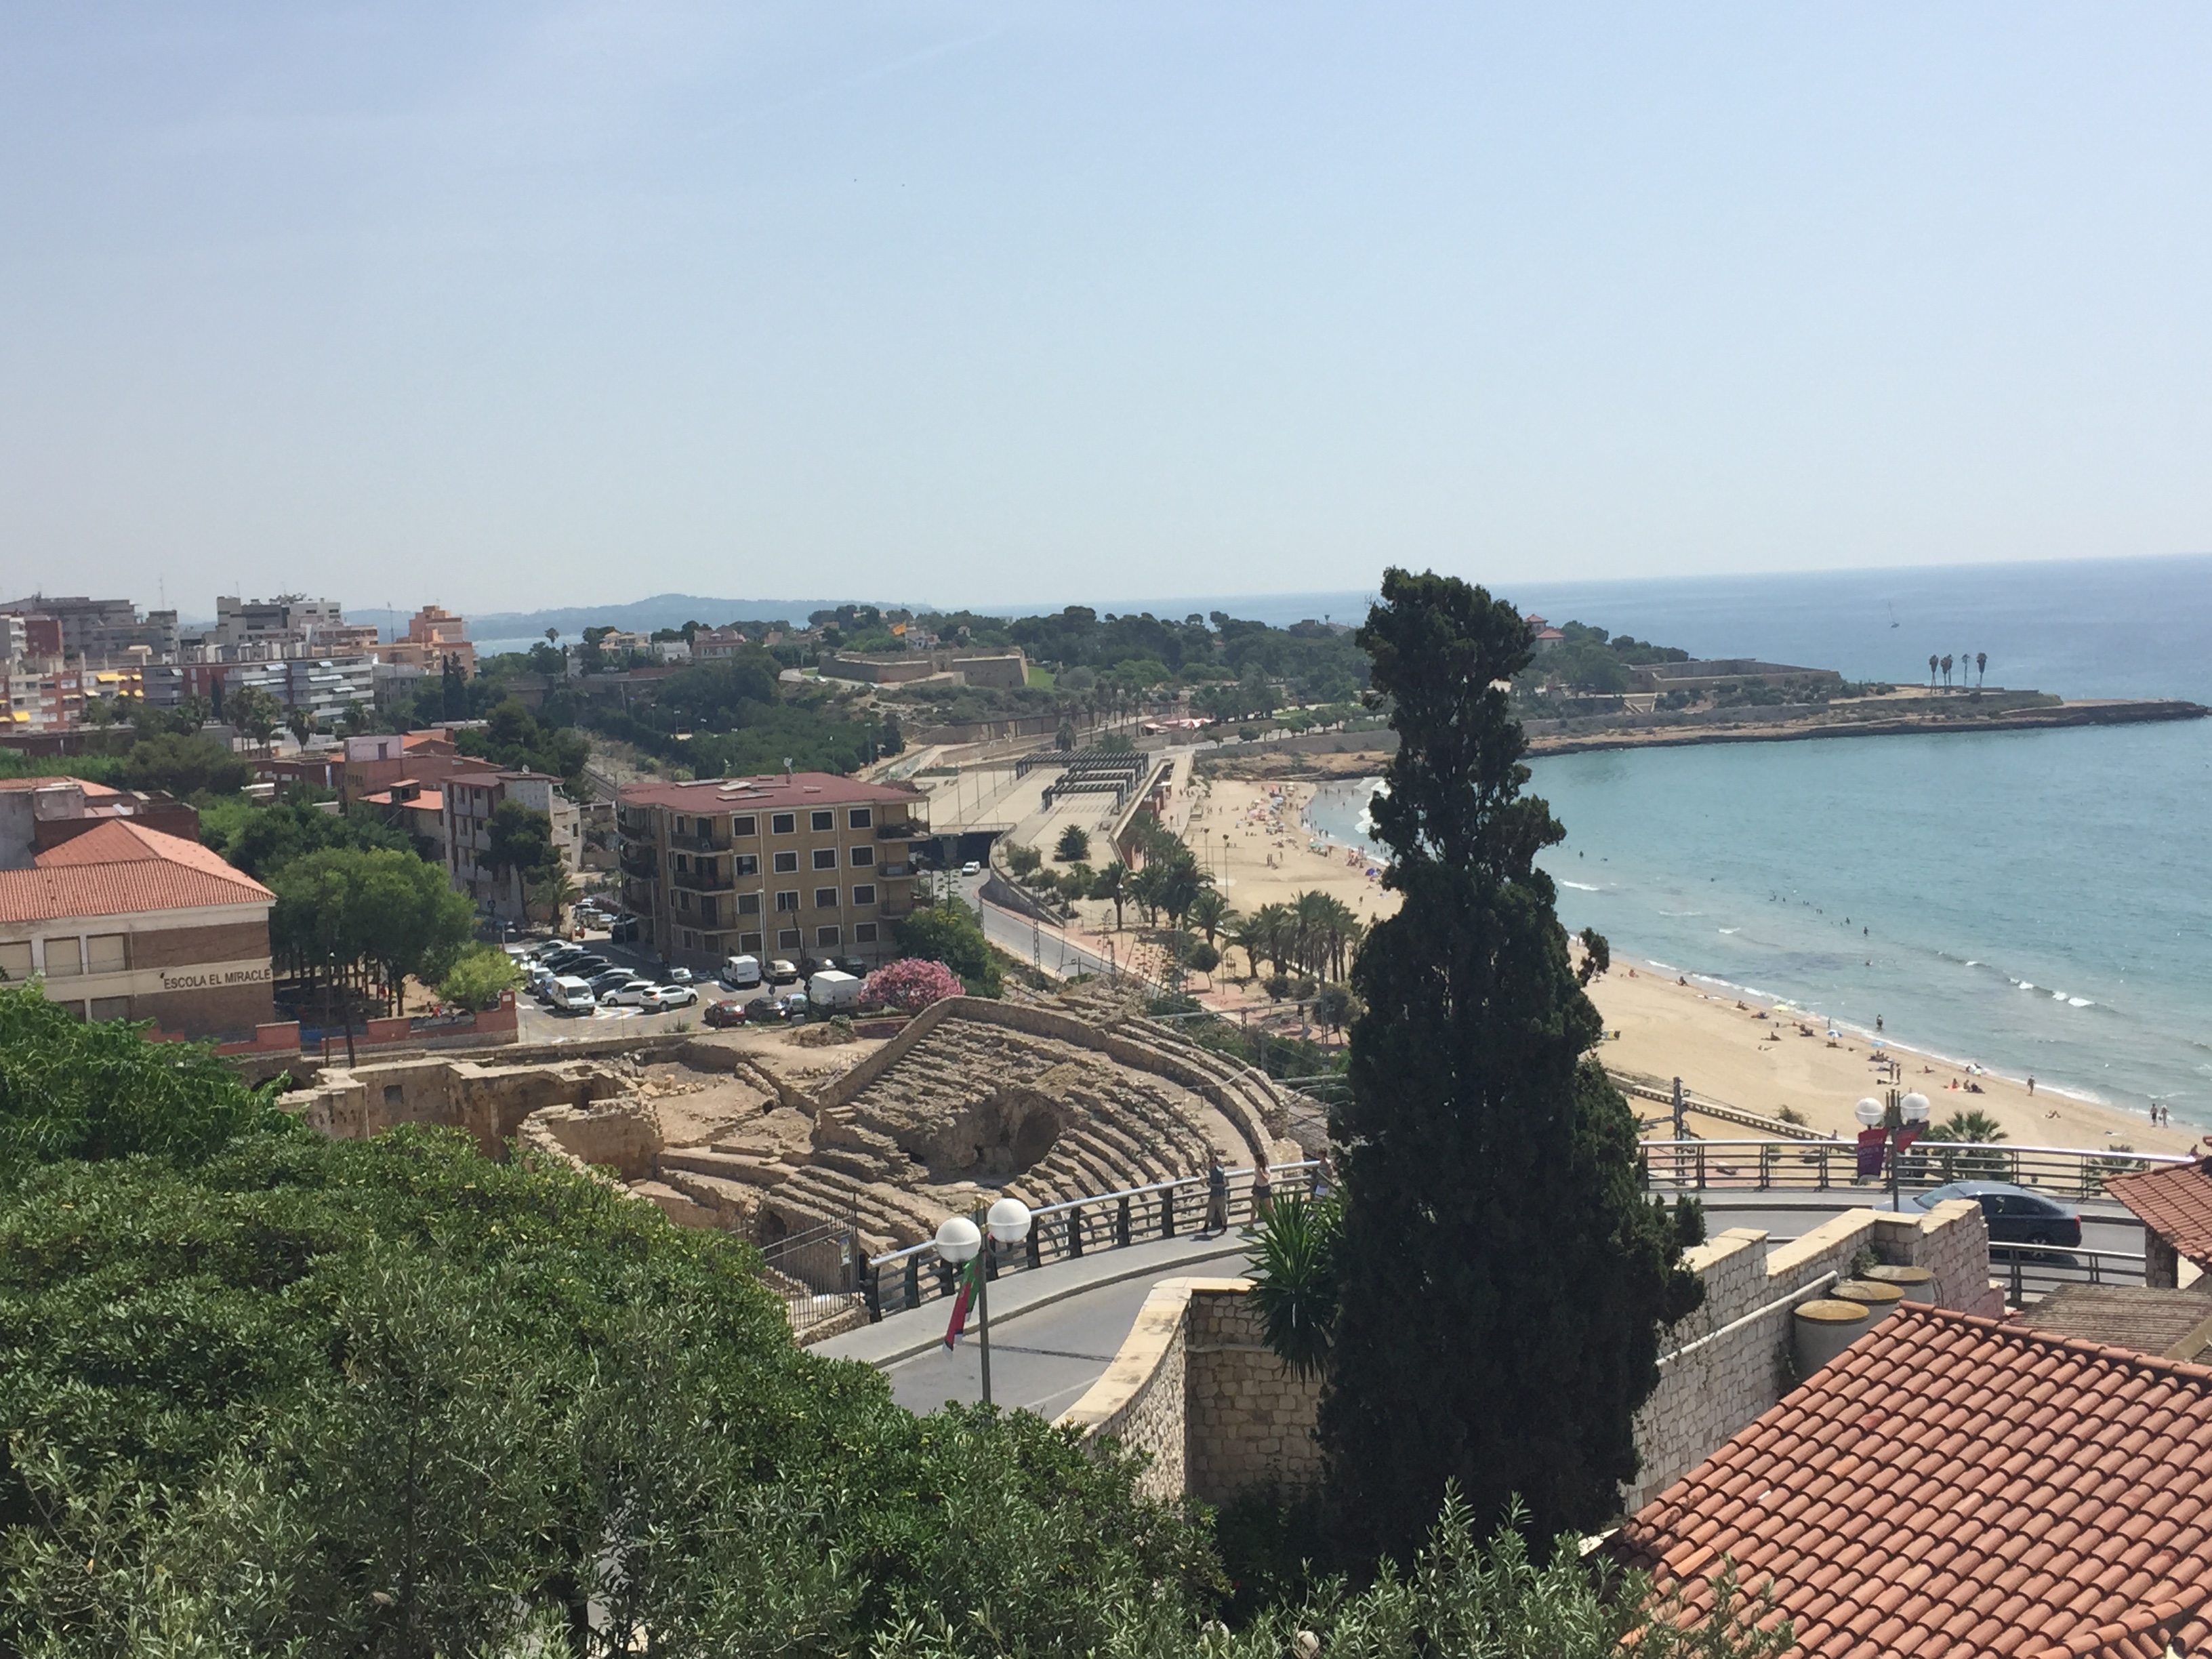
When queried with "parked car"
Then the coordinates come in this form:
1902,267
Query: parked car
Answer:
853,965
831,991
572,996
971,868
678,996
721,1015
604,982
2014,1215
631,994
741,972
781,972
679,976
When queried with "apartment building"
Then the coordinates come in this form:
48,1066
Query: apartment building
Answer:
324,686
287,619
804,865
433,635
469,799
80,620
124,922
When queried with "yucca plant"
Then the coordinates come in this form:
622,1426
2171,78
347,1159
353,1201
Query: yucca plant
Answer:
1293,1276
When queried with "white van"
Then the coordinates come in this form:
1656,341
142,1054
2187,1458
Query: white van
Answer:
832,990
741,972
571,995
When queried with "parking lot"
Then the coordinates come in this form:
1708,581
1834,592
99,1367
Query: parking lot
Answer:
540,1024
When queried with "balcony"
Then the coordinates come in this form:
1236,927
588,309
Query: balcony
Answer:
640,861
893,909
892,872
634,826
700,881
700,843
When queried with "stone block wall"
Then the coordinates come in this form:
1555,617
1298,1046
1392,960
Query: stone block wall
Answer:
1250,1419
1140,1400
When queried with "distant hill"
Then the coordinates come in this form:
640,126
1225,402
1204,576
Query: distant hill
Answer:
638,616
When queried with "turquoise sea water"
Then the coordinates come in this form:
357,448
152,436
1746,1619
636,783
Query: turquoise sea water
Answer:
2038,901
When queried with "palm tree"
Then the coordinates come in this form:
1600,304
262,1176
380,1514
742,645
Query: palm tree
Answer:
1946,671
1112,883
1278,930
1248,936
1932,660
1981,668
1209,913
303,723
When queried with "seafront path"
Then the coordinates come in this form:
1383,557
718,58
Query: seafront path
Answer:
1054,1329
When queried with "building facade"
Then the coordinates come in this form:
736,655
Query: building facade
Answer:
124,922
807,865
433,635
469,799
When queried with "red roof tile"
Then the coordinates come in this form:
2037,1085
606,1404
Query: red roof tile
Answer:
1984,1489
119,868
2175,1203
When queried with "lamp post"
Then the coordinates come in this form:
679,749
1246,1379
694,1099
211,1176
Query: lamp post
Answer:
959,1239
1900,1120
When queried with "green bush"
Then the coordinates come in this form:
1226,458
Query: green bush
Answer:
477,977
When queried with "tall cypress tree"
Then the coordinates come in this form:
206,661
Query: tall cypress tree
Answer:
1503,1282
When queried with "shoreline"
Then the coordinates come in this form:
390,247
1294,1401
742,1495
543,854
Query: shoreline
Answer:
1720,1037
1332,754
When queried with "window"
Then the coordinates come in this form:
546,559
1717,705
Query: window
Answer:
783,824
683,898
788,940
864,933
864,857
395,1094
825,898
786,901
749,944
682,826
824,821
749,904
64,957
107,953
864,896
682,864
708,916
825,858
825,938
748,864
15,960
110,1008
690,940
859,819
785,863
748,825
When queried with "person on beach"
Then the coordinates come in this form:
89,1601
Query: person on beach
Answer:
1217,1197
2031,1085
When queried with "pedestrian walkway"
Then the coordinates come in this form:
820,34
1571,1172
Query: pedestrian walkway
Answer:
1053,1330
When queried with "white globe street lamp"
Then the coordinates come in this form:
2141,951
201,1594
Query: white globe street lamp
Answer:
959,1241
1900,1122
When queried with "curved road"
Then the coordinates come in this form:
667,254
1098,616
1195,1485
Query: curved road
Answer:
1063,1324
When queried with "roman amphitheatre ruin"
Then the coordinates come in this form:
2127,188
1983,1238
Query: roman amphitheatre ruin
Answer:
771,1134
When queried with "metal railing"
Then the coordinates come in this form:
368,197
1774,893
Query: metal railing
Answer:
900,1279
2031,1271
816,1271
1764,1165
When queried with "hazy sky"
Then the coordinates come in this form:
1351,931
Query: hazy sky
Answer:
507,306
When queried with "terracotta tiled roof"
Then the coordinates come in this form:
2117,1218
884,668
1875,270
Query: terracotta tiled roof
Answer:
2175,1203
120,868
92,791
1951,1485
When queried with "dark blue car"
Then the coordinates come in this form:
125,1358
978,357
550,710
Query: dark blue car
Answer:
2015,1215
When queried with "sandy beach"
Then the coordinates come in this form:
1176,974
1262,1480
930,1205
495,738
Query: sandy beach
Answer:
1249,835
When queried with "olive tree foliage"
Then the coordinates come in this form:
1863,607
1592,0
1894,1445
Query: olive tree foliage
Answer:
1503,1284
343,914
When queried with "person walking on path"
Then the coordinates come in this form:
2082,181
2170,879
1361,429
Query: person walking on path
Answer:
1217,1197
1263,1192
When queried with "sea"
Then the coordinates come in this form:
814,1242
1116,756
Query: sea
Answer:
2037,903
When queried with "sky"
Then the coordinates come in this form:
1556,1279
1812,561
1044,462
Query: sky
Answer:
502,306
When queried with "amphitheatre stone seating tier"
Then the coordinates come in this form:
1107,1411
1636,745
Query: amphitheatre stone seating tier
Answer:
1048,1099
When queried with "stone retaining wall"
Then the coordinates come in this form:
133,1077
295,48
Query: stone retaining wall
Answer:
1196,1388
